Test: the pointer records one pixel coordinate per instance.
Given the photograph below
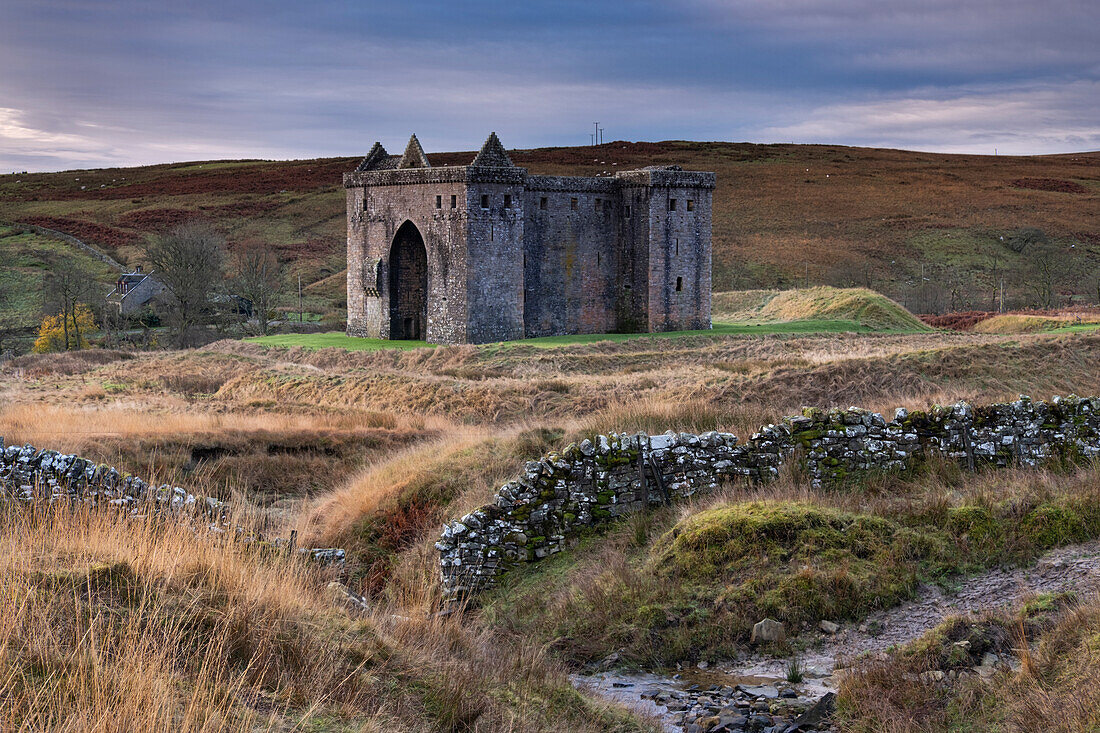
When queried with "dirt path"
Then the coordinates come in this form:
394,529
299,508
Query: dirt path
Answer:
1074,568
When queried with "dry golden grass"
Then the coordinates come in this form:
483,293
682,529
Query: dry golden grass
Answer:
1022,323
108,624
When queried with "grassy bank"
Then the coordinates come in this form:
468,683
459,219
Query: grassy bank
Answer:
1053,639
690,583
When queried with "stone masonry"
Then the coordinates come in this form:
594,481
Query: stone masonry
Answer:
30,476
609,476
486,252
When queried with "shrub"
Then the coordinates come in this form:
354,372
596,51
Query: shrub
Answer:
65,332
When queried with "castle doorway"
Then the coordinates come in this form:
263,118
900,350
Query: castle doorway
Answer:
408,284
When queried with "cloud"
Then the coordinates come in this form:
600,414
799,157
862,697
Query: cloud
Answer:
1050,118
92,82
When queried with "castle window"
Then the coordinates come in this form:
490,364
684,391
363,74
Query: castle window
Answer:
597,259
439,202
627,212
598,202
691,205
542,203
485,201
454,201
672,204
507,201
676,246
679,284
573,204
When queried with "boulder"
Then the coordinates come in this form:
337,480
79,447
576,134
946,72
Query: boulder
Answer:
768,631
828,627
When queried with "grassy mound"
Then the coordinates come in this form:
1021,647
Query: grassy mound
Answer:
391,506
660,589
868,309
115,625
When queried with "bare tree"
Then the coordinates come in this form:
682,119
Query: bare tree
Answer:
1047,271
68,284
257,278
190,261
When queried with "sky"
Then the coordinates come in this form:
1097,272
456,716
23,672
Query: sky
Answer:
98,83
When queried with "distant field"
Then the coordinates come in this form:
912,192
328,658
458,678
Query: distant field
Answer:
928,230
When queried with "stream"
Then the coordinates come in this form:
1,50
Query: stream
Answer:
743,694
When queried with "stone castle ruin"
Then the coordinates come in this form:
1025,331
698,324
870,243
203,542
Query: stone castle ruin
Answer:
487,252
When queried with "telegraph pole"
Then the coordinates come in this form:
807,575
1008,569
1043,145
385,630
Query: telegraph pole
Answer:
596,137
299,298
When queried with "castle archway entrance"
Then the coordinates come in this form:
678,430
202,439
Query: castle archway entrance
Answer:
408,284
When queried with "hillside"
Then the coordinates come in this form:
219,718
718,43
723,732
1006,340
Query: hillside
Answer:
933,232
25,261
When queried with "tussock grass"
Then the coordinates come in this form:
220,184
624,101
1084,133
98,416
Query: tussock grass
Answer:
109,624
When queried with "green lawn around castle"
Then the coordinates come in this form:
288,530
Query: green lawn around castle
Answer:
336,339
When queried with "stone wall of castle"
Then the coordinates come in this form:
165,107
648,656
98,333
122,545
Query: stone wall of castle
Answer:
511,255
596,481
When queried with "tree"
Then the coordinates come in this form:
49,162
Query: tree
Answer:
257,278
70,283
190,261
65,331
1047,271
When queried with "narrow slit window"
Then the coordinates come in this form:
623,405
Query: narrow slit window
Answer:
597,259
627,212
672,204
598,202
676,247
679,284
691,205
507,201
454,201
439,202
542,203
573,204
485,201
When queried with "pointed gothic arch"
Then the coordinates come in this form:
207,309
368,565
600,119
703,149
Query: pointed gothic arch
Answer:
408,284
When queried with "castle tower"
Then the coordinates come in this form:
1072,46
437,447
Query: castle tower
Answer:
485,252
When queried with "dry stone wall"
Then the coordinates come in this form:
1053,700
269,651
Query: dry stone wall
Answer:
598,480
30,475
